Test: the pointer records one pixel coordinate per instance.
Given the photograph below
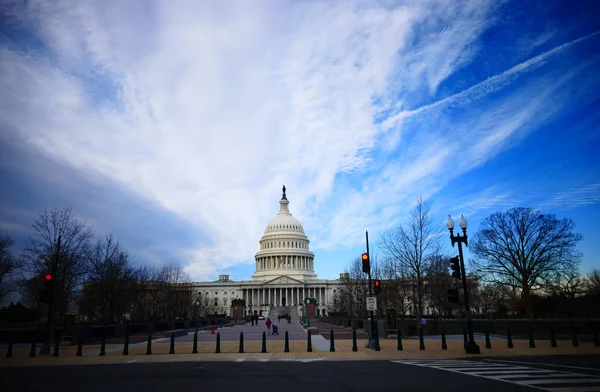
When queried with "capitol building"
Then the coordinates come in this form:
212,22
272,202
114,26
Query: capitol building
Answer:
284,275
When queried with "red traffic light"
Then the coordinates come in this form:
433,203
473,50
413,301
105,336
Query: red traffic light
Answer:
366,265
377,288
48,277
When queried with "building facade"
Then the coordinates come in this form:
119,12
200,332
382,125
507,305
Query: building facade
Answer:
284,274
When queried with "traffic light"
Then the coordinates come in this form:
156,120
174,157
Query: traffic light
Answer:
366,263
455,266
45,295
377,286
453,296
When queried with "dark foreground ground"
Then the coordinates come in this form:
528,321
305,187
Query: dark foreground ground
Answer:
296,376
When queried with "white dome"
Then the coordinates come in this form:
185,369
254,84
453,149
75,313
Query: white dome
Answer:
284,248
284,222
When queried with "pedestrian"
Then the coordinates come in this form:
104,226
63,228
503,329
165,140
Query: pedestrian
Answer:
252,319
268,324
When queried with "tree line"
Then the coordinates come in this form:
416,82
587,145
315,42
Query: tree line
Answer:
94,276
524,263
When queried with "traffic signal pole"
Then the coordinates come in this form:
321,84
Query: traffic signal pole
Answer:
374,335
45,349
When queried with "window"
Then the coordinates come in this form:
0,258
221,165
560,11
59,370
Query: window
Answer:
216,293
225,293
216,302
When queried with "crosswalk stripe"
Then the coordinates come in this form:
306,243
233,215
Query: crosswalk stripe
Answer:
561,381
544,379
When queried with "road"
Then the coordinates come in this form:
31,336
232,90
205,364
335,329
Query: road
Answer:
292,376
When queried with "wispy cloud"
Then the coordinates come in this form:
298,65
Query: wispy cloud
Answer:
491,84
208,109
574,197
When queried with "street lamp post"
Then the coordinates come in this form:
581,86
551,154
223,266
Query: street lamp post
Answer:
472,347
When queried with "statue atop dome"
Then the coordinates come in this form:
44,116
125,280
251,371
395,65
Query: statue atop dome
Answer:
283,197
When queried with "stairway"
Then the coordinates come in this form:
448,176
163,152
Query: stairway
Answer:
275,311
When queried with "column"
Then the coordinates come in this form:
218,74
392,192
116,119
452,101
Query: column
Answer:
297,295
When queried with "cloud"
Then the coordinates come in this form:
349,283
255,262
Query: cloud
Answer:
575,197
207,109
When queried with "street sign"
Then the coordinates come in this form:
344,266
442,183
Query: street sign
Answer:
371,303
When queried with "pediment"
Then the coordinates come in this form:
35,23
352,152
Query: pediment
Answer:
283,280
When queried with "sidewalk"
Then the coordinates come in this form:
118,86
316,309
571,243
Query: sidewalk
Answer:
275,351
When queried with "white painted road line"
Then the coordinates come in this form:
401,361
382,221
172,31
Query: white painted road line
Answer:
521,375
543,364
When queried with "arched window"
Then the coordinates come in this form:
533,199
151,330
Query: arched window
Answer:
216,302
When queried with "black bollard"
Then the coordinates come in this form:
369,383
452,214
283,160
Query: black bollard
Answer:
596,337
309,343
552,338
444,345
354,346
287,343
9,351
241,343
103,346
509,338
421,341
331,342
531,341
575,341
488,343
400,348
195,348
172,348
126,345
466,341
32,351
149,346
264,343
218,349
56,346
79,347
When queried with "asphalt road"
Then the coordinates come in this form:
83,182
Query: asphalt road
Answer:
292,376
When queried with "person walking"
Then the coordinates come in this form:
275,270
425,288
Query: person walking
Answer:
268,324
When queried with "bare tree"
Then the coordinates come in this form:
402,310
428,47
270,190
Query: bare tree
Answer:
111,277
396,288
141,308
438,281
494,298
178,292
73,261
8,267
525,249
570,285
410,244
592,283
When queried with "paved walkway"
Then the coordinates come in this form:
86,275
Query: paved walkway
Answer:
251,333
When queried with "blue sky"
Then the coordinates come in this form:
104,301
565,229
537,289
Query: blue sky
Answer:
175,124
